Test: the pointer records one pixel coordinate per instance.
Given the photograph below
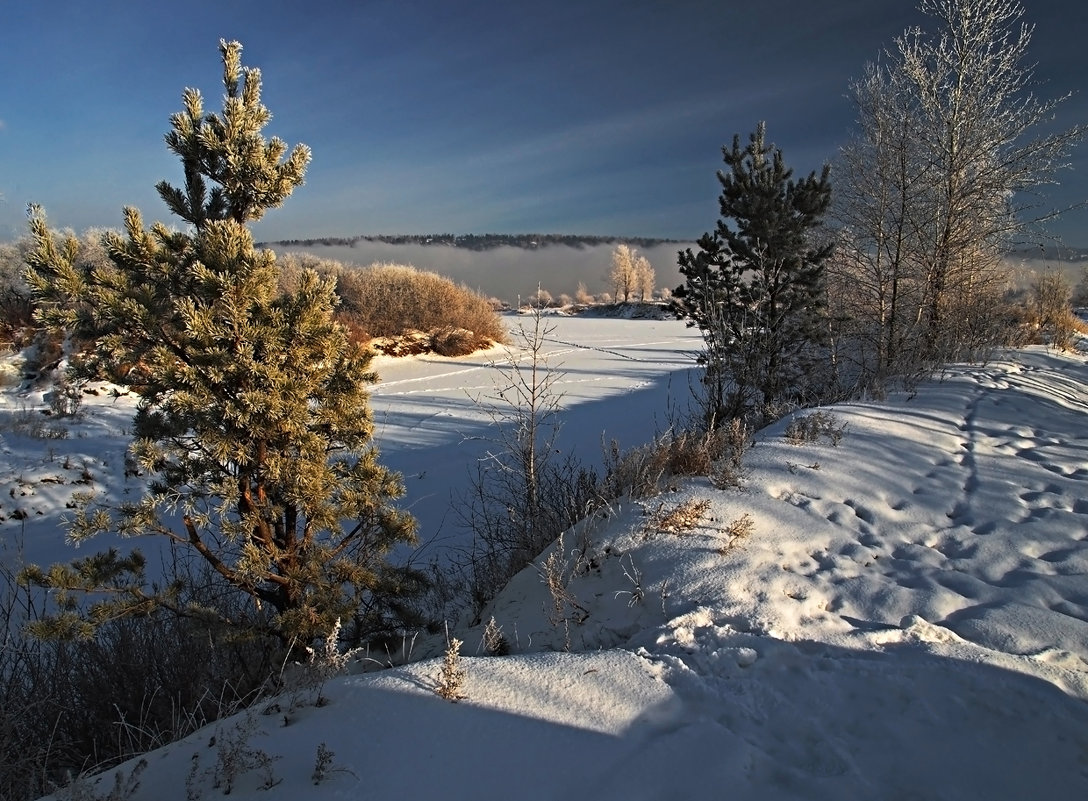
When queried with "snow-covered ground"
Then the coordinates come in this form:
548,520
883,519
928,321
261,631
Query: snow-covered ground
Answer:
435,417
907,617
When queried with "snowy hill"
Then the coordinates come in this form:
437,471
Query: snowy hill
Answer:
898,610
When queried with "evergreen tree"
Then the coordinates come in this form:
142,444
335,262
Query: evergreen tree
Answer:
253,420
755,288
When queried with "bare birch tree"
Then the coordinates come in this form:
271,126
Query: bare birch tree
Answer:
623,274
942,177
644,278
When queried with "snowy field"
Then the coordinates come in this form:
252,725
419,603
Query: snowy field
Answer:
906,618
435,417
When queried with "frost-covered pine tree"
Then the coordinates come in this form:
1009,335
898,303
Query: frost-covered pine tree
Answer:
253,421
755,288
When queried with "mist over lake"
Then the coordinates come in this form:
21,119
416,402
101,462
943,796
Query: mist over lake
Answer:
504,272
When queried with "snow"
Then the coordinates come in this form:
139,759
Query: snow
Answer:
435,416
908,617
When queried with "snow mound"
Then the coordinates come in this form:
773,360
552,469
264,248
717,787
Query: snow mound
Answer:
901,615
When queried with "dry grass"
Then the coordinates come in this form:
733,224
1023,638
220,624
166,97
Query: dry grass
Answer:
1047,315
737,531
68,706
644,471
494,641
678,519
556,574
811,428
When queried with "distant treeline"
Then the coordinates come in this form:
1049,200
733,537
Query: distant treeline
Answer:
1062,253
1049,252
474,241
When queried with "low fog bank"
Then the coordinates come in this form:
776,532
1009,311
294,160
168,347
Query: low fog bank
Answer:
506,272
1026,266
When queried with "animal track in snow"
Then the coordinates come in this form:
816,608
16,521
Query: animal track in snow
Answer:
957,549
1032,454
869,540
1035,495
862,512
1080,474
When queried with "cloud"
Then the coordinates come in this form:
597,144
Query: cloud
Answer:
3,124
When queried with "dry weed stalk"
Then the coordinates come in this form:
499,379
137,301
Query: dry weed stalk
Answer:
556,575
812,427
85,788
678,519
324,766
638,595
494,641
322,763
737,531
451,678
234,758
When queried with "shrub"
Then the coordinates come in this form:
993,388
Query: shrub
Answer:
811,428
44,354
525,490
737,531
16,304
1050,311
140,683
388,300
294,265
541,299
1080,291
679,518
643,471
452,341
400,310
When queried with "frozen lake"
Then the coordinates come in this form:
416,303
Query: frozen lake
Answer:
616,379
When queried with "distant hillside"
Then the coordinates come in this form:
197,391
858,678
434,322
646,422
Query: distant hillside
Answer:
475,241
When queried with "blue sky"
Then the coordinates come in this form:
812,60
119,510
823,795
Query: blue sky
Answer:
572,116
